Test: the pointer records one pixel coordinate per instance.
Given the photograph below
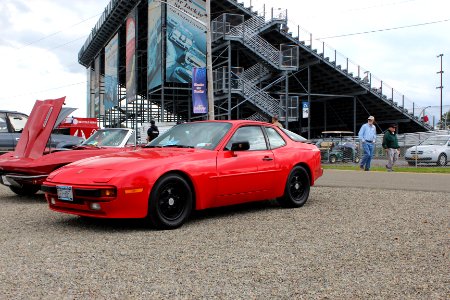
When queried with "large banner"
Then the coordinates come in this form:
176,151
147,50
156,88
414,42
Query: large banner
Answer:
154,51
88,92
186,39
199,96
91,92
111,81
97,86
130,67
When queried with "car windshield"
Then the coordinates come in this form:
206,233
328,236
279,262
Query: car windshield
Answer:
293,136
206,135
436,140
107,138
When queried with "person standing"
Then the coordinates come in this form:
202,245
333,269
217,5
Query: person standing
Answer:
152,131
367,136
276,122
390,144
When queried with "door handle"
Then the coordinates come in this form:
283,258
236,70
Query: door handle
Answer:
267,158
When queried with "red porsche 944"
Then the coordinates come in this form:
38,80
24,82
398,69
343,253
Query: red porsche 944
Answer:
193,166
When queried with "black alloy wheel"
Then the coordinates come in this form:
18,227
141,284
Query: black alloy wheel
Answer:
170,202
297,188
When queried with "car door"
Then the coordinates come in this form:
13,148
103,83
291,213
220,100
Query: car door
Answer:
249,174
6,137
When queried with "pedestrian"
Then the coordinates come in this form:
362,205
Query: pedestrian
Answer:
152,131
390,144
276,122
367,136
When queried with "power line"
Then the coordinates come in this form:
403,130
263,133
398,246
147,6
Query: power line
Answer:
57,32
385,29
37,92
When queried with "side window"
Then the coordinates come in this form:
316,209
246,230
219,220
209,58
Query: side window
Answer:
18,121
3,124
275,139
252,134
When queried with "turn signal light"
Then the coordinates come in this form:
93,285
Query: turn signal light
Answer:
111,192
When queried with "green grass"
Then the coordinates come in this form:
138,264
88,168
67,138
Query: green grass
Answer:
443,170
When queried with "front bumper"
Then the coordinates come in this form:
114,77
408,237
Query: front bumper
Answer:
88,202
20,180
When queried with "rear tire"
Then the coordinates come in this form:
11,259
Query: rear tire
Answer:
296,191
170,202
411,163
26,190
442,160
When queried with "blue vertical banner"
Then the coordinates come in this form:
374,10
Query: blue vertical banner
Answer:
97,86
199,96
111,72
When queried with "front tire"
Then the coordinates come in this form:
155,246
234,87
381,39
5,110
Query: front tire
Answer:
333,159
442,160
25,190
170,202
297,188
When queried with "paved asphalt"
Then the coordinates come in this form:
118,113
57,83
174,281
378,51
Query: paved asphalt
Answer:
386,180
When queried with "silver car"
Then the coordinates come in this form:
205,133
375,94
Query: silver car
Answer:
435,149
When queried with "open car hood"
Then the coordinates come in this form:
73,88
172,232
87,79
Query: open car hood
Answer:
43,118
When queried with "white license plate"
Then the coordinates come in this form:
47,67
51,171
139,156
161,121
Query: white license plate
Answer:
5,180
64,192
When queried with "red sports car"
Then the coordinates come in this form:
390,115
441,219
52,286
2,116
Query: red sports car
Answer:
25,169
192,166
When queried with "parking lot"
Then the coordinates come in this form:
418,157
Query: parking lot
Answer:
360,235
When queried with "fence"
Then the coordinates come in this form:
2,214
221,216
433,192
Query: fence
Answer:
419,149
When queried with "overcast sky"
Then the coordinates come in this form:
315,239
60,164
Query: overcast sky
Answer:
40,41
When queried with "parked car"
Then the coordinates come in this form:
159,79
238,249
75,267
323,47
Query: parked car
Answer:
435,149
338,146
25,169
193,166
12,124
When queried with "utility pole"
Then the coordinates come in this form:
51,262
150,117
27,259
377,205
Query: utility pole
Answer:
440,87
209,68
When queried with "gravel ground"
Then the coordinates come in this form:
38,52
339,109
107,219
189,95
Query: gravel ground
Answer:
345,243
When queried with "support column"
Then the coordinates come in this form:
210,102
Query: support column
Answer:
309,103
286,99
354,115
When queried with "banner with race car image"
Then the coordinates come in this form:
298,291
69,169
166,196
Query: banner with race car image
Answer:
111,70
186,39
154,51
199,96
130,64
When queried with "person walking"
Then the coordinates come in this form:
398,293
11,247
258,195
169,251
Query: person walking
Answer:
390,144
152,131
276,122
367,136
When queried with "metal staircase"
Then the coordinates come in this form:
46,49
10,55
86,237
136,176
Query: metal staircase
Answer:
247,33
256,73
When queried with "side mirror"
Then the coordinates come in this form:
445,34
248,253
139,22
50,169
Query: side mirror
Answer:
240,146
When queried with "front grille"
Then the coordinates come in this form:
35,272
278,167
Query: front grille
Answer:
418,152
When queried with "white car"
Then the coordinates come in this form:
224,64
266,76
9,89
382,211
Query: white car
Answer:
435,149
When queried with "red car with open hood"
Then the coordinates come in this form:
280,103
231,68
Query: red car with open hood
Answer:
25,169
193,166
